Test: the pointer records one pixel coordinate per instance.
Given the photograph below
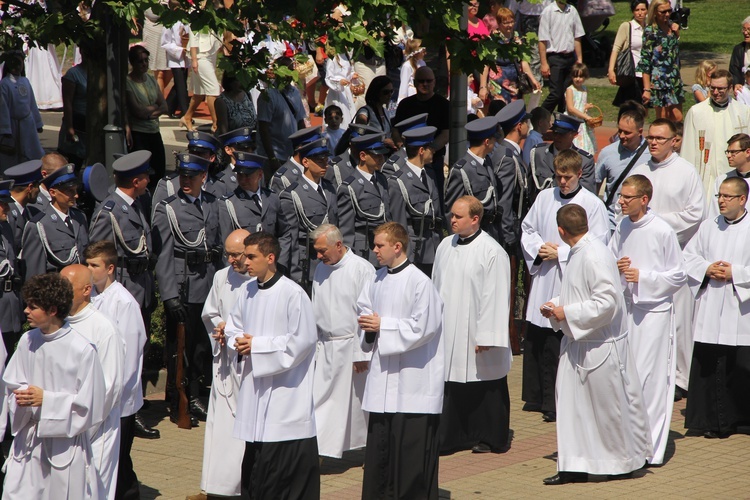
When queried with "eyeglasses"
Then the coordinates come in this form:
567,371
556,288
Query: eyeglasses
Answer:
628,198
732,152
424,80
746,30
726,196
658,140
666,11
719,89
234,255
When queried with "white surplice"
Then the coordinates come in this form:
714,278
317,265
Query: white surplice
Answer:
679,200
98,329
276,395
337,390
119,305
602,425
474,282
722,311
712,203
653,249
220,448
406,372
338,68
717,125
539,227
51,456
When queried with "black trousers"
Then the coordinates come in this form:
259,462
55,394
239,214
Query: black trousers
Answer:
177,99
559,80
198,357
401,457
541,355
127,481
151,142
10,339
284,470
719,383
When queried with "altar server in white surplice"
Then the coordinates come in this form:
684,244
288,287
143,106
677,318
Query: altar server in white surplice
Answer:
220,448
602,425
273,327
400,317
738,155
119,305
340,363
680,201
546,257
710,124
95,326
56,395
718,264
472,275
651,271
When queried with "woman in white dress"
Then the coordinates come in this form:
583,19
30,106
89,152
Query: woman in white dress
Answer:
413,58
203,82
44,73
339,74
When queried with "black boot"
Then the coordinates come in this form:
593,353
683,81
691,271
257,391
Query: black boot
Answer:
144,431
198,410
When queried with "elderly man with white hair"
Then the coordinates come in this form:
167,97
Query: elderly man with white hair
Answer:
340,365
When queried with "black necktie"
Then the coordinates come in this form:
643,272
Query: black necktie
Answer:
197,203
423,177
69,223
374,180
321,193
256,200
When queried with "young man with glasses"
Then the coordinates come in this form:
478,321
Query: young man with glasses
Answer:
651,269
708,126
738,156
717,261
679,200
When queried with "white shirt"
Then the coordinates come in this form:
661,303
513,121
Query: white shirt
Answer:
559,28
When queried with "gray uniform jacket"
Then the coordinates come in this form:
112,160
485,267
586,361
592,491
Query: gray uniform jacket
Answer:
10,281
17,222
237,210
305,209
513,179
396,162
285,176
470,177
185,259
361,208
167,186
543,169
128,228
49,244
222,183
417,208
339,168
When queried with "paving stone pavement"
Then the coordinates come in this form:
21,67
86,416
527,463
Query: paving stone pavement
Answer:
696,468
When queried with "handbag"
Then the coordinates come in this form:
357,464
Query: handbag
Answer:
624,65
524,83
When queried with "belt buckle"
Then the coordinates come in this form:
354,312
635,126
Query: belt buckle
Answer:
208,258
8,286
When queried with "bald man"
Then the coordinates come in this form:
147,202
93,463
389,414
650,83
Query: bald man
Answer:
219,447
102,333
51,162
438,115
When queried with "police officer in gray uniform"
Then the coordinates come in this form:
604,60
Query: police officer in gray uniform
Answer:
363,200
473,175
24,192
397,160
414,198
512,174
306,204
342,165
225,180
189,248
253,207
56,237
10,280
292,170
199,144
564,130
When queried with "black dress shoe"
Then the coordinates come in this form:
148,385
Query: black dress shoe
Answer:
144,431
715,435
566,478
193,420
198,410
481,448
617,477
549,416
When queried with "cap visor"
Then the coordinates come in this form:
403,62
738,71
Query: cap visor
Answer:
189,172
380,151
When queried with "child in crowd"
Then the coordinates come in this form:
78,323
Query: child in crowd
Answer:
413,59
541,121
679,127
333,117
703,74
474,104
576,102
743,95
